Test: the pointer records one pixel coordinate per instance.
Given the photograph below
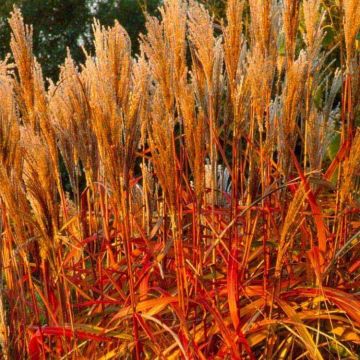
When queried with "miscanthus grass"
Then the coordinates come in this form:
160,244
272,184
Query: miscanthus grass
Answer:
212,202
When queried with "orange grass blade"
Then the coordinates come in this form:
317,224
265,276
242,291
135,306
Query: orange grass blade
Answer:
315,209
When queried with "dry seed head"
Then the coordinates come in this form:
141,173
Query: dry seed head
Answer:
135,113
351,26
9,128
351,169
194,130
208,182
290,18
274,119
261,72
355,84
201,36
11,157
106,124
318,138
199,83
41,112
21,46
16,204
187,107
261,24
69,111
115,101
30,88
113,58
241,103
218,76
3,69
294,86
233,39
6,68
161,139
291,103
40,186
313,22
292,212
139,102
239,90
290,223
334,90
147,173
174,21
156,50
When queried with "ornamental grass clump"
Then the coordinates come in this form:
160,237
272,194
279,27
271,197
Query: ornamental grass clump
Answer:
199,200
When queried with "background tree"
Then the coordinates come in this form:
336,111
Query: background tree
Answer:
59,24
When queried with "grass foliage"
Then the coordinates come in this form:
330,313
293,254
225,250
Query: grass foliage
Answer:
215,194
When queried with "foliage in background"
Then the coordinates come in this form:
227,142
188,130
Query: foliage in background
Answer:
60,24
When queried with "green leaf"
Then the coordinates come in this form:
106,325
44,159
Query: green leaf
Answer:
329,36
334,146
281,45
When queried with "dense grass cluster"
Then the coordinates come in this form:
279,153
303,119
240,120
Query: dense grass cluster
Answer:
210,208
